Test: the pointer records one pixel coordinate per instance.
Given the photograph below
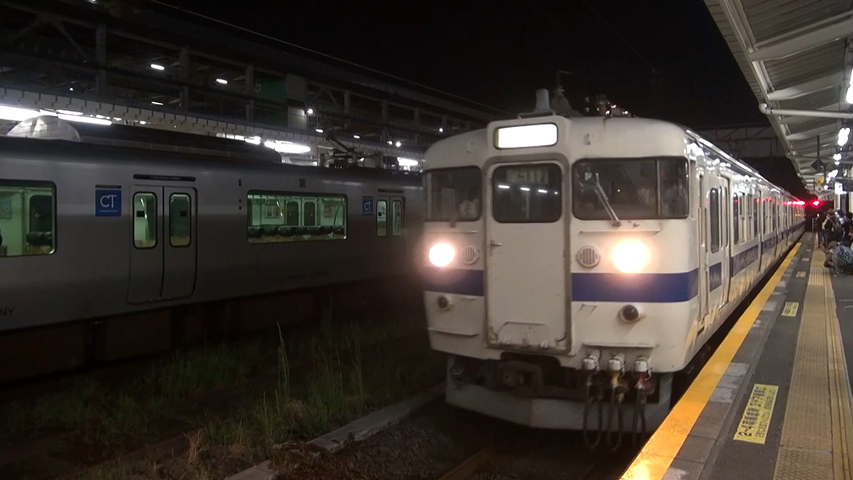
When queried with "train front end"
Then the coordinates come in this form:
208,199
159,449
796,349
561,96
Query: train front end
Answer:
553,309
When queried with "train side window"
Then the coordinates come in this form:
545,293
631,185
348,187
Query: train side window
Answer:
715,220
736,218
381,218
27,218
274,217
755,224
744,233
144,220
396,218
180,220
309,214
292,209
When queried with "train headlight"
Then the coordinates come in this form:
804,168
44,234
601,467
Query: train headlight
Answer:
630,256
441,254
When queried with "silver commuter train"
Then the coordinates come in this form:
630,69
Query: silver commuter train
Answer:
92,231
575,261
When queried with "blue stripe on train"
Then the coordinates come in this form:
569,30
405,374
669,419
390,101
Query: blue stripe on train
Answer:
586,287
605,287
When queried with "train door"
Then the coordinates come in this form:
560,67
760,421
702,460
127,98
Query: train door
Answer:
526,287
726,249
390,210
716,258
704,251
163,250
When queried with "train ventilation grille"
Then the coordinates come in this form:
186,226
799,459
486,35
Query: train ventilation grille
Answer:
470,254
588,256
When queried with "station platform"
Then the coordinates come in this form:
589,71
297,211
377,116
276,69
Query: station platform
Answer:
774,400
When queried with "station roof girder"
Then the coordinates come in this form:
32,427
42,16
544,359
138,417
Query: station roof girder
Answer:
795,56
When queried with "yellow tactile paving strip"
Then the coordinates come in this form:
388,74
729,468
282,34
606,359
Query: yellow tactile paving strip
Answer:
816,433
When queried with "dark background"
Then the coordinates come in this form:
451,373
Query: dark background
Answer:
663,59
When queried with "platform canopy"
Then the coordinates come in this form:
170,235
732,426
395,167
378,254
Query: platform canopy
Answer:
796,58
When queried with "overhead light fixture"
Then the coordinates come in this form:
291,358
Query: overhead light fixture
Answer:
843,136
157,66
16,114
70,89
836,157
222,81
407,162
398,144
79,119
310,111
286,147
69,112
356,137
318,130
156,103
440,129
390,142
832,174
253,140
142,122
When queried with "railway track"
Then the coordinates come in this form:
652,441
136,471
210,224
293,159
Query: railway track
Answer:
47,455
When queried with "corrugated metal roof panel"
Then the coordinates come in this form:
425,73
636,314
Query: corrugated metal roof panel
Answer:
770,18
805,66
815,101
810,124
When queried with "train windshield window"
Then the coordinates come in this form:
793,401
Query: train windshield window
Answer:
274,217
180,220
529,193
27,218
453,194
144,220
634,188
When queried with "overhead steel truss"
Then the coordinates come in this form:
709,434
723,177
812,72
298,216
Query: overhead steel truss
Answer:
135,56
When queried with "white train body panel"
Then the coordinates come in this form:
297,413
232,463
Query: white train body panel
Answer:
535,272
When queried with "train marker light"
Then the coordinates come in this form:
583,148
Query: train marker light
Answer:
441,254
816,203
630,256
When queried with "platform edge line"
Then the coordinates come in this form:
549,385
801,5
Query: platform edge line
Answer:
660,451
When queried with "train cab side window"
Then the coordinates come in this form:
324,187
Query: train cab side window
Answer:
144,220
180,220
715,220
27,218
381,218
275,217
396,218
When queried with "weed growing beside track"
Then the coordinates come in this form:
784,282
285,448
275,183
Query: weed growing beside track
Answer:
297,390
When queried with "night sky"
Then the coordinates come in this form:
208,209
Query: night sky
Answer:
662,59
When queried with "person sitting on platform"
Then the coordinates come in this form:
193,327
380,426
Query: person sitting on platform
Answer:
839,258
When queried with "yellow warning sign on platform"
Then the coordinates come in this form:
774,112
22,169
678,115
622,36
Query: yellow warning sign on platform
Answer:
755,422
790,309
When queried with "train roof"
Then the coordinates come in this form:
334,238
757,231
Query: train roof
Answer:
63,150
637,137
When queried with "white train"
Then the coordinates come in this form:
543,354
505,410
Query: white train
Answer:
575,261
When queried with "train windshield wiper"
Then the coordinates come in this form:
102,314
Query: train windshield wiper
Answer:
602,197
